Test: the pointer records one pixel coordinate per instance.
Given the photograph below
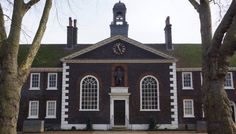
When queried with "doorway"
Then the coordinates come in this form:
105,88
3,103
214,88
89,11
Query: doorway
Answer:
119,112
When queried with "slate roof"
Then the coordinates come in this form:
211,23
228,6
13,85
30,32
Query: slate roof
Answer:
49,55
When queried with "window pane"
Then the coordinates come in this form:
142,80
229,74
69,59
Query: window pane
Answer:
33,109
89,93
228,80
52,80
187,79
35,80
188,108
149,92
51,108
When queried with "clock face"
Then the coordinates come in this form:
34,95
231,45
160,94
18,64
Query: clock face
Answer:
119,48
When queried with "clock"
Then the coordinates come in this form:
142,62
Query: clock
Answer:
119,48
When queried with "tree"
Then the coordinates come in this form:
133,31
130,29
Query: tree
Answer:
14,74
217,51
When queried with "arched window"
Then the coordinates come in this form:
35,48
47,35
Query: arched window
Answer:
149,94
89,94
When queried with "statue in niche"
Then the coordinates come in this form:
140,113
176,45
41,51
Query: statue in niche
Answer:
119,76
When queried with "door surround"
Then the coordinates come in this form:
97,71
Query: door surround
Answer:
118,95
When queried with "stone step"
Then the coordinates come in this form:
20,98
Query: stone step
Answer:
119,128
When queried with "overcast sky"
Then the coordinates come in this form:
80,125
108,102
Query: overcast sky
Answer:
146,19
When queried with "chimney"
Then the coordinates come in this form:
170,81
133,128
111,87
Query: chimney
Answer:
168,35
75,29
71,34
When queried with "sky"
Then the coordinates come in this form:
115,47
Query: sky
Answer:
146,19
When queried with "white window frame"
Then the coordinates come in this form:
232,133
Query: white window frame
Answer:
55,109
158,94
48,84
184,113
203,111
30,116
201,78
31,84
231,81
191,81
80,107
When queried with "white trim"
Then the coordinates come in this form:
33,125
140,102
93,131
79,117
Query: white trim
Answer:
203,111
231,81
46,69
55,110
191,81
190,69
119,96
201,78
146,126
174,99
158,94
29,113
193,69
121,61
114,38
64,99
190,115
51,88
31,76
83,126
119,90
107,126
80,105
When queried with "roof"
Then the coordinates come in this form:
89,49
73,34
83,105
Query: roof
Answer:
49,55
122,38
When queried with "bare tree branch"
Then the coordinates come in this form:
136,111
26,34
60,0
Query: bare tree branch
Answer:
195,4
3,34
29,4
223,26
26,64
14,34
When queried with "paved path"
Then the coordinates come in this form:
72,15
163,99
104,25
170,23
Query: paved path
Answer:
122,132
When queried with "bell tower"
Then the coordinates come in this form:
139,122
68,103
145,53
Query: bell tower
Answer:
119,26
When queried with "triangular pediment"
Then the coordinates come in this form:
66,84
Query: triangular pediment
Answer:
118,48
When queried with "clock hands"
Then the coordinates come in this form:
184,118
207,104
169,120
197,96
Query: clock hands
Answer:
118,47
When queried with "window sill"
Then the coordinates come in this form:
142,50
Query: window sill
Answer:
90,110
189,116
34,89
50,117
32,117
229,88
187,88
51,89
149,110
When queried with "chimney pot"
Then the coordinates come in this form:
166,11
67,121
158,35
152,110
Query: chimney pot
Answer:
70,21
75,21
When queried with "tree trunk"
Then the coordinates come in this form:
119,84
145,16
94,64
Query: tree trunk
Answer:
216,102
12,75
214,69
9,95
9,105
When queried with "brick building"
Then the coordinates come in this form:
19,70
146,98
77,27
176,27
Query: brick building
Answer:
116,82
